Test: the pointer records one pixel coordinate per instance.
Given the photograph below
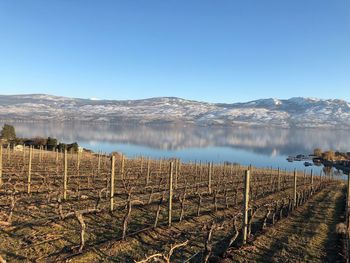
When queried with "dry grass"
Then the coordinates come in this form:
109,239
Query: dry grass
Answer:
309,235
33,237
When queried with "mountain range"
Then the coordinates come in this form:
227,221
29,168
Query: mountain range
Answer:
294,112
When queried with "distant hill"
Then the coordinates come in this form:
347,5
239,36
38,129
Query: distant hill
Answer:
294,112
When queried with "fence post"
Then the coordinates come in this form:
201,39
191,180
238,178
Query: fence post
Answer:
57,154
179,168
112,181
1,164
99,163
65,175
29,169
160,165
141,168
8,152
209,177
271,176
78,160
24,154
171,171
312,181
246,205
295,188
122,167
40,153
278,180
148,170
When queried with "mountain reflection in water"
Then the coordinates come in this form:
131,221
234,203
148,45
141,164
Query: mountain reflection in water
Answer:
258,146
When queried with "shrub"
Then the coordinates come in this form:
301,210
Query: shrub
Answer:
8,132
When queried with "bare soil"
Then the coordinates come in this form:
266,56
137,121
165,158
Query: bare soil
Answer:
309,235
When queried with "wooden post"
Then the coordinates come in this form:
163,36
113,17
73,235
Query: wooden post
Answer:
246,205
30,169
209,177
148,171
107,175
65,175
271,176
112,181
24,154
295,188
278,180
8,152
44,151
78,160
312,181
171,171
1,164
179,168
57,154
141,168
99,163
122,167
40,153
160,165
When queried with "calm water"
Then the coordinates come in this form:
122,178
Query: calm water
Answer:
257,146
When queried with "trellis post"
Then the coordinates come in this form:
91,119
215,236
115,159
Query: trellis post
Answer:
171,171
112,182
295,188
65,175
246,205
29,169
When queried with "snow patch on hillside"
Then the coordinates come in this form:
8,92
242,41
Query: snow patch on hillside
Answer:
294,112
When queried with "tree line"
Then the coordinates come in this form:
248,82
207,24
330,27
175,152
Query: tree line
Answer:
331,155
9,138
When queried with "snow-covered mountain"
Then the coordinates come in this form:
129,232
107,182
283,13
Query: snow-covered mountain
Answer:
294,112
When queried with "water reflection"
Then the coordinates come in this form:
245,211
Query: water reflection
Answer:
259,146
175,137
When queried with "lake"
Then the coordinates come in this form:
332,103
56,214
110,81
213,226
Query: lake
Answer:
261,147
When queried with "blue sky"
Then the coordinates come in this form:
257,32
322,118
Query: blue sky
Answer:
217,51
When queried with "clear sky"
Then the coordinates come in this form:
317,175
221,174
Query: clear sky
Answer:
217,51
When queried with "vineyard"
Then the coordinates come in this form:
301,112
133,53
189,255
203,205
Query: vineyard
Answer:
86,207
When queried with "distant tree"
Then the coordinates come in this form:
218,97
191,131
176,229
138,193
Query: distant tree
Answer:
318,152
51,143
61,147
74,147
8,132
341,156
19,141
39,141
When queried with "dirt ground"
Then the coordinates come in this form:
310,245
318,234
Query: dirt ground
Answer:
37,231
309,235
